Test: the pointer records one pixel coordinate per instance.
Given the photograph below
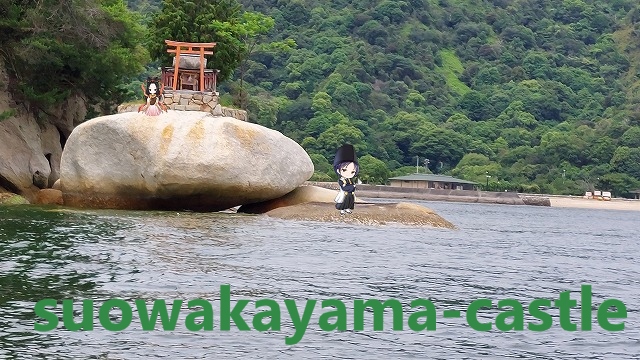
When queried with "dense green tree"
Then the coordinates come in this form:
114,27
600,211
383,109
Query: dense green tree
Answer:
54,49
514,116
459,123
336,135
372,170
321,123
474,159
619,184
440,145
205,21
246,36
601,150
321,164
477,106
627,160
557,147
631,137
476,167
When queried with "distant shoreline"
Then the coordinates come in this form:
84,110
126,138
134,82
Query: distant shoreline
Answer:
467,196
580,202
485,197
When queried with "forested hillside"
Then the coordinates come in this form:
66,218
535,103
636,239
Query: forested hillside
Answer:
540,95
528,92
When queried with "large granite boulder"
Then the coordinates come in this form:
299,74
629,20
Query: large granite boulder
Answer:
181,160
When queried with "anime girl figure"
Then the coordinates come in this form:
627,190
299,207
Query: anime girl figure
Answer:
345,164
154,105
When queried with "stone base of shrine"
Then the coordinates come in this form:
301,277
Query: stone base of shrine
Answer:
187,100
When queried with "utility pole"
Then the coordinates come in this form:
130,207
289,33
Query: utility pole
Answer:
417,164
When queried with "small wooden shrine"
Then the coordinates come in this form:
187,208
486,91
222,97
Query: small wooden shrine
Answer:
189,70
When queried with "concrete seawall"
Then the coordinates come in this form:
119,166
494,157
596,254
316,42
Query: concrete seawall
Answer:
468,196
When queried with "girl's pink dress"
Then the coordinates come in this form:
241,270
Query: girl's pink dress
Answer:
153,110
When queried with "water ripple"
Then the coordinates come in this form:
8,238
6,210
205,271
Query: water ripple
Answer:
498,252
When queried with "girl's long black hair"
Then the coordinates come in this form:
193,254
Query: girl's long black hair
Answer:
156,81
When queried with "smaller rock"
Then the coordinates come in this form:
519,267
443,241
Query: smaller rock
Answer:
536,200
49,197
212,103
217,111
40,179
127,108
364,214
57,185
192,108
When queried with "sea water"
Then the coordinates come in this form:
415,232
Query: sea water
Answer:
497,252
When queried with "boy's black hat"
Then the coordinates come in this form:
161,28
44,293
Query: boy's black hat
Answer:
345,153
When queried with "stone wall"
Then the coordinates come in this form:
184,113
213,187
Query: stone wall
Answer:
190,101
185,100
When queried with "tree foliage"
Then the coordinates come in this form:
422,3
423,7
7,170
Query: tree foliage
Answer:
540,91
56,48
198,21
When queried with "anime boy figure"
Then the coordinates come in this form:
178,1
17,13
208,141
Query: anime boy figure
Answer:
345,164
154,105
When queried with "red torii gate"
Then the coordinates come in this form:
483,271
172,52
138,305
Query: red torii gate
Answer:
181,48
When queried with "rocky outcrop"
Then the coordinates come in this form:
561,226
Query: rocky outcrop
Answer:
314,203
300,195
365,214
30,154
178,160
30,149
69,115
